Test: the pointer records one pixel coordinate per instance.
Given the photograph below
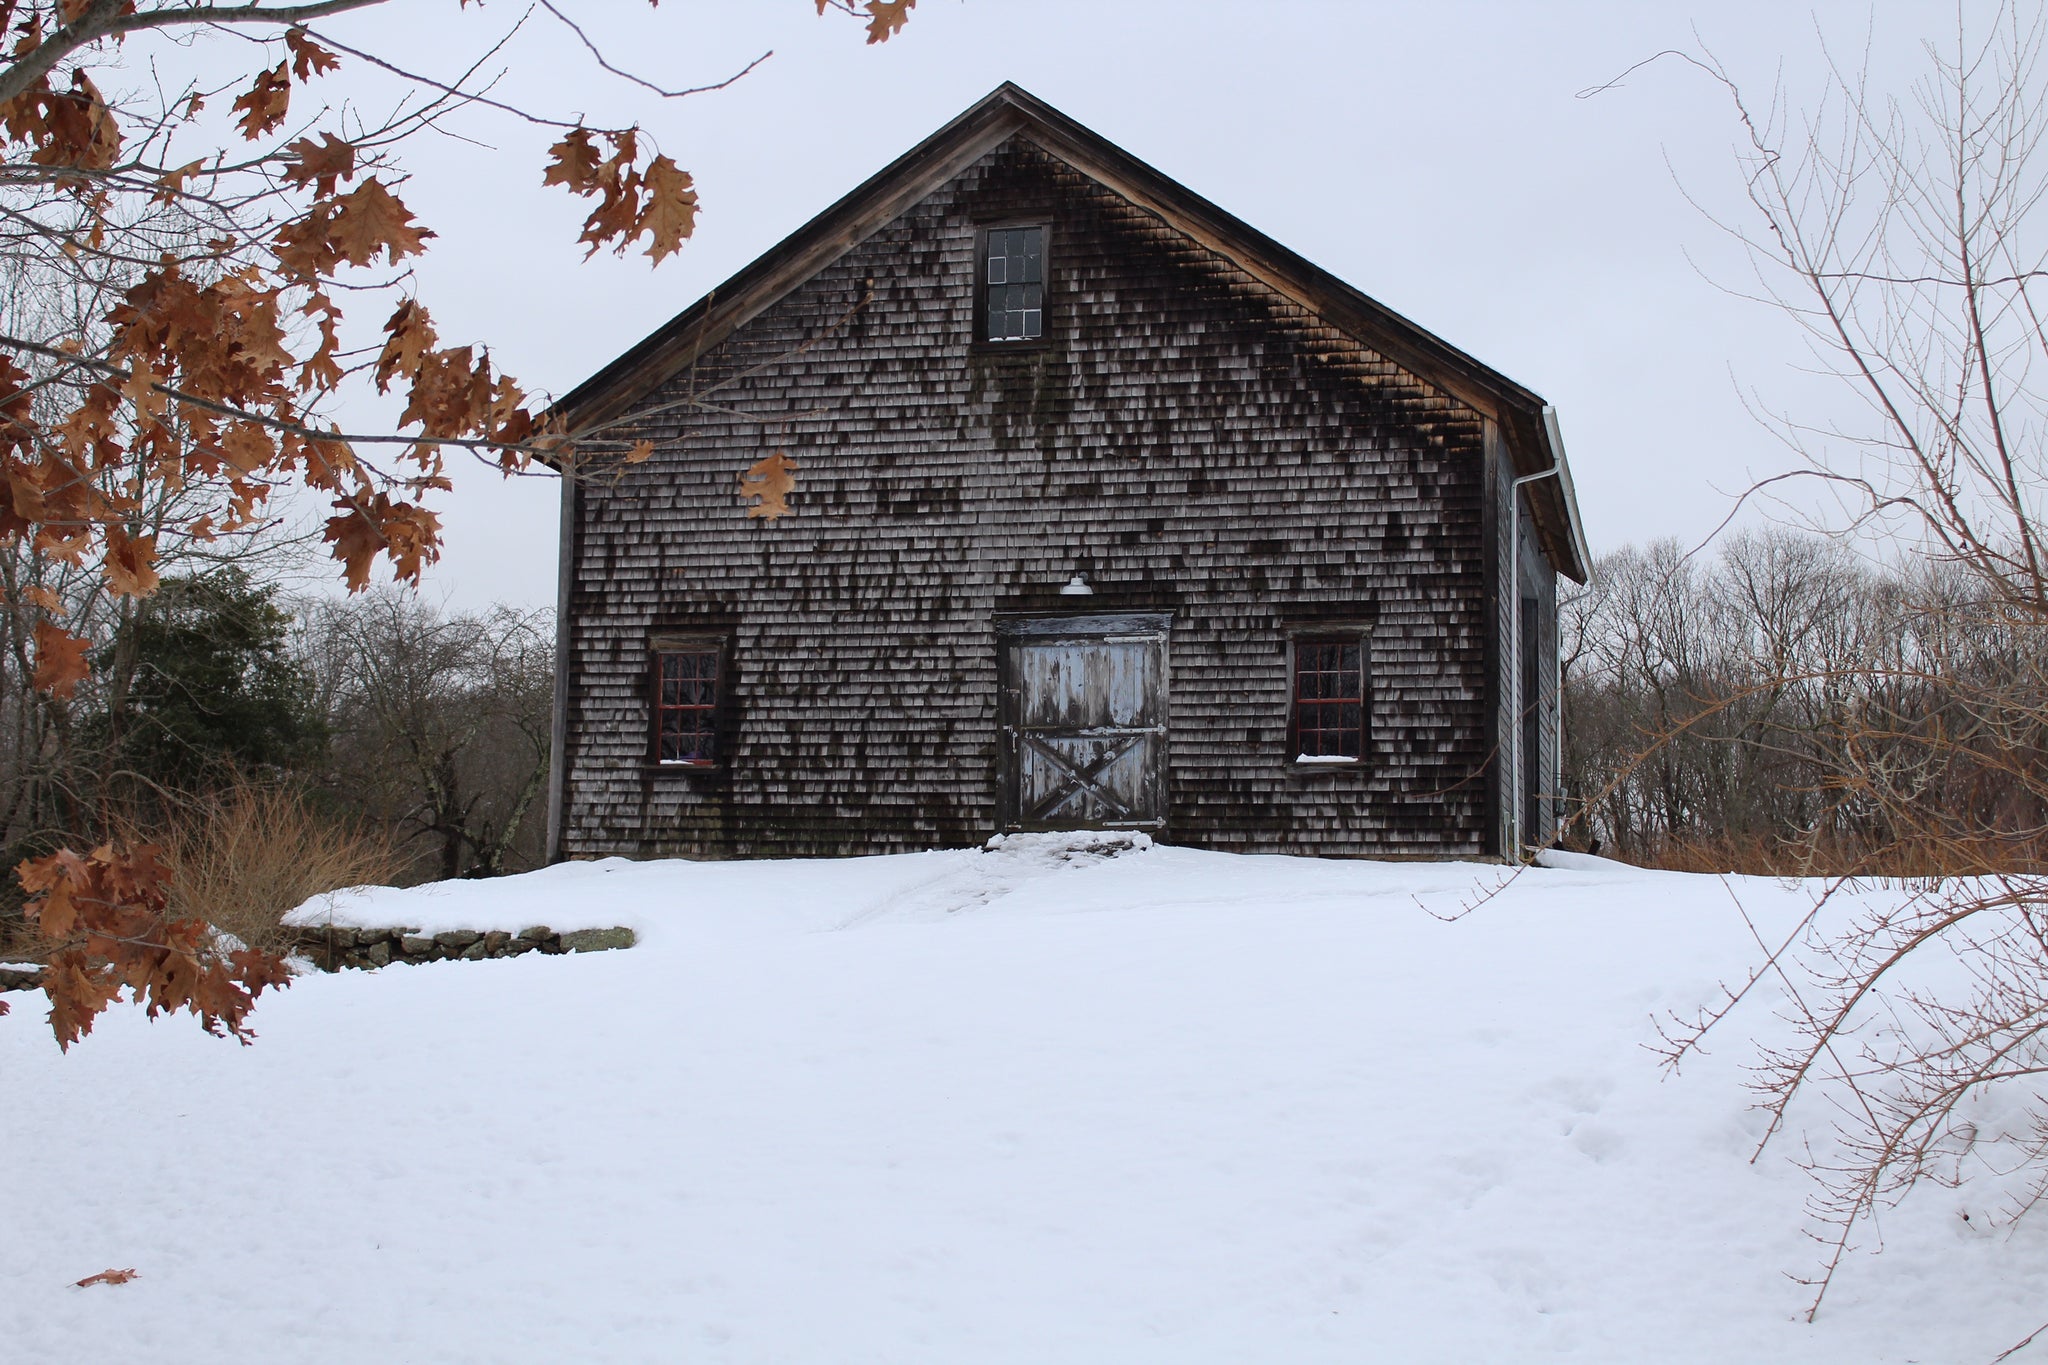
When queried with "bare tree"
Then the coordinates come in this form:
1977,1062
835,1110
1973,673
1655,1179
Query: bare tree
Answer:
1706,695
1906,236
61,767
440,726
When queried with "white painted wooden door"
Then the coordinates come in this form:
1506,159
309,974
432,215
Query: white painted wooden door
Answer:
1085,730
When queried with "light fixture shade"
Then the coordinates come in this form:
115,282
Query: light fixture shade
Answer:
1077,586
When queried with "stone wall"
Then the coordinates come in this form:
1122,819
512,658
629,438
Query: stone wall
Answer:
21,977
333,947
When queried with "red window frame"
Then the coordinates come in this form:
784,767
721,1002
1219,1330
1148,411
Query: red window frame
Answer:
688,680
1329,701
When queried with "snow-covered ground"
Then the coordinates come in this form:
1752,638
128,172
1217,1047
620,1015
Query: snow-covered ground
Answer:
1027,1105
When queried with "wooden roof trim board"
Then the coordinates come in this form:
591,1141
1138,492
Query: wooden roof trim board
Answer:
1007,112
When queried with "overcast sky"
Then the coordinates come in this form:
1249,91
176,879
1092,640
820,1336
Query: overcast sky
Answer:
1438,156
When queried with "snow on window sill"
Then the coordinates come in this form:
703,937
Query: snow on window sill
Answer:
1324,758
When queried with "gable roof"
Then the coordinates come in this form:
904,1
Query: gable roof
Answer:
1525,420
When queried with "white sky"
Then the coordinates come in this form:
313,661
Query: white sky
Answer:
1433,155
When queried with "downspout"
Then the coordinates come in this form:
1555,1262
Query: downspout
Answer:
1516,801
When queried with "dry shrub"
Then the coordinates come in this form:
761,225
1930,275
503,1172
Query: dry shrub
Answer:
19,939
244,858
1767,855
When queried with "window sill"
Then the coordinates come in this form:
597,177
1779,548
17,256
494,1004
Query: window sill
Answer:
1324,769
1025,346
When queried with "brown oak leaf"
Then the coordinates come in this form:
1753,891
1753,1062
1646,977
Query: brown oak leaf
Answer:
671,212
371,219
265,104
411,337
60,661
248,446
131,563
323,164
171,183
887,16
356,544
53,880
772,481
108,1277
575,162
309,59
79,993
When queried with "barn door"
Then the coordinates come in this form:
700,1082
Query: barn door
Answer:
1084,722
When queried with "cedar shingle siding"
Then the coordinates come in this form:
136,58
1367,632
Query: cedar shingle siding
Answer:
1190,439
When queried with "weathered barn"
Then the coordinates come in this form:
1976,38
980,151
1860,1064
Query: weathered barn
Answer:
1108,512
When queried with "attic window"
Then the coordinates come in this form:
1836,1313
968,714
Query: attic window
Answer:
687,679
1013,283
1329,699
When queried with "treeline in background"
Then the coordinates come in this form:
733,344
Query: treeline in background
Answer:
275,747
1780,702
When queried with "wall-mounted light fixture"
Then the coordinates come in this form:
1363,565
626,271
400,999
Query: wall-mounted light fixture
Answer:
1077,586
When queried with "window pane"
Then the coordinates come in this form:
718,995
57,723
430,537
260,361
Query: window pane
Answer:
1329,691
1007,318
686,705
1013,277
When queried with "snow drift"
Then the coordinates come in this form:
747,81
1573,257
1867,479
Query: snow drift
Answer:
1044,1102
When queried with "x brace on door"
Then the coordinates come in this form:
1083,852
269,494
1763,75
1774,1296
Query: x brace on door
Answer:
1084,779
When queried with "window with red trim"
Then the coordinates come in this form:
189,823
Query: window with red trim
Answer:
1329,698
686,682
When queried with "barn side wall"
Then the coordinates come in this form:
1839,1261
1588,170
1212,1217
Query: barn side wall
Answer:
1521,562
1186,438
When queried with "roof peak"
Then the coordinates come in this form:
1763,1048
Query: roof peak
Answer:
981,128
